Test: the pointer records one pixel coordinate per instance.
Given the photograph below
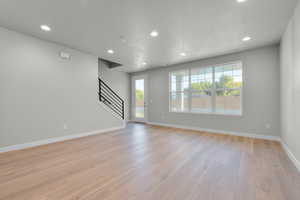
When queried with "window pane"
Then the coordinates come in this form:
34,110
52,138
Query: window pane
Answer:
207,89
180,80
228,101
201,101
201,79
179,101
228,76
139,98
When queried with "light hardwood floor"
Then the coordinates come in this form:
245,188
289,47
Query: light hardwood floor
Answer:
148,162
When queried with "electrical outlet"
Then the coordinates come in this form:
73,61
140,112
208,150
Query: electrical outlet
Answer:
268,126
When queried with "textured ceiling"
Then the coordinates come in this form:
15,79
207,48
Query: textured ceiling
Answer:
200,28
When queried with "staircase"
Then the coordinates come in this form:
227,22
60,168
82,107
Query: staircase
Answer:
113,101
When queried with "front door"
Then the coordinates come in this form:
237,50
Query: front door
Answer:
139,96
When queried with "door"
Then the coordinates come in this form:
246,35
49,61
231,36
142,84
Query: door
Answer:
139,97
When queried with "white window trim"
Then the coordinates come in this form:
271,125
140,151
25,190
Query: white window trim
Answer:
213,91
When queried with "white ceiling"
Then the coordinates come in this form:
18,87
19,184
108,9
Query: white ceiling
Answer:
201,28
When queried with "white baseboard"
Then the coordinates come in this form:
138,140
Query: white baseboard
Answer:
57,139
69,137
249,135
290,155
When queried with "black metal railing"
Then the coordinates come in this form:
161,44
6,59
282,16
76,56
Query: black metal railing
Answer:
111,99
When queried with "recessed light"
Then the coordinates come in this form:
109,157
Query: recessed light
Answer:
241,1
144,63
110,51
183,54
45,28
247,38
154,34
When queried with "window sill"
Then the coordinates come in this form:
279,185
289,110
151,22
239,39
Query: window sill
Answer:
209,113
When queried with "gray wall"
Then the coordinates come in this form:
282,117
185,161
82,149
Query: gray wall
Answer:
290,84
260,95
40,92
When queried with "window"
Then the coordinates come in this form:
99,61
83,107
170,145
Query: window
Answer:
201,89
179,91
215,89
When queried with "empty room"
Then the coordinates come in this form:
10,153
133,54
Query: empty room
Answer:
150,100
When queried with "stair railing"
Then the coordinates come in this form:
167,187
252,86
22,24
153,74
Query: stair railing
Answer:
111,99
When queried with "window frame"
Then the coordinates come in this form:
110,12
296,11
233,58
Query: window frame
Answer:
213,90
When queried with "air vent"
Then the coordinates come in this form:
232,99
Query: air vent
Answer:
110,64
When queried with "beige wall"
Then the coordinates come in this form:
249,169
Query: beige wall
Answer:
260,95
290,84
40,92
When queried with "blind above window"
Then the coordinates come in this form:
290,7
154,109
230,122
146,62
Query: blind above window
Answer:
216,89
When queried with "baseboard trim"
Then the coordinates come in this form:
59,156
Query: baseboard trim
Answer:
287,150
289,153
249,135
57,139
291,156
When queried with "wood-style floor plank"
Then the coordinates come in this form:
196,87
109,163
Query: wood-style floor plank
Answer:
150,163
